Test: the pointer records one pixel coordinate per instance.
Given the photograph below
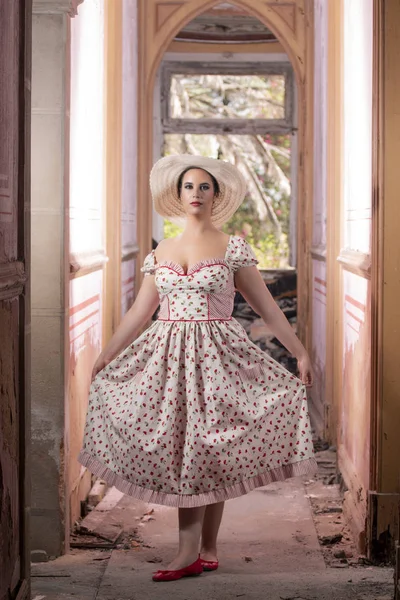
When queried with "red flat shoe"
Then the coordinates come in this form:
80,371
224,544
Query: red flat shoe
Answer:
190,571
209,565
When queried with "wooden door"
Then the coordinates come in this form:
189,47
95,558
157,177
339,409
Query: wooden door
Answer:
15,53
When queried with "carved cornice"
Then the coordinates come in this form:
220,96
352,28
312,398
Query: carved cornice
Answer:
48,7
226,28
82,263
12,280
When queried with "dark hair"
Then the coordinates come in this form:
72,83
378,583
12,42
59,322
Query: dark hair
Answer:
181,176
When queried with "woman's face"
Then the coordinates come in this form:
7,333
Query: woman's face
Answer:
197,193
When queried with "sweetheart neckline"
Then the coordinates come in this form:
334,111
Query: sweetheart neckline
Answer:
203,262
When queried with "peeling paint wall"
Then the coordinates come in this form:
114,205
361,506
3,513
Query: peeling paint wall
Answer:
354,408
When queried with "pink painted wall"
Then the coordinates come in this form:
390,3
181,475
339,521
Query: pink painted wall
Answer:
355,410
87,225
317,393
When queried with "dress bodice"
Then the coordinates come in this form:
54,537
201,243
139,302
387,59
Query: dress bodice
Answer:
206,292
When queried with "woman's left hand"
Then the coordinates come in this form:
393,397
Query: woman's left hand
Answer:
305,370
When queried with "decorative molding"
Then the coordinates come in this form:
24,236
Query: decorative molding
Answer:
228,28
377,241
129,251
318,252
164,12
288,13
49,7
12,280
356,262
57,313
82,263
48,111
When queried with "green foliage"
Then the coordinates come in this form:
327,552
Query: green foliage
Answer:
171,230
270,251
265,161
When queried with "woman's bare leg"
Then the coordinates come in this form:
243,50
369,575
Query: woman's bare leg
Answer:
190,524
209,534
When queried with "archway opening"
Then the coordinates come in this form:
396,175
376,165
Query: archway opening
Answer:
225,88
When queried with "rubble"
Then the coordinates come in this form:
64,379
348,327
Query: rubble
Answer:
282,285
331,539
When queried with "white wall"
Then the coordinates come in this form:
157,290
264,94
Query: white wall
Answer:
357,168
87,132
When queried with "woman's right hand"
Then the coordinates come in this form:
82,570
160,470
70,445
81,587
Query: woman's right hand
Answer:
99,365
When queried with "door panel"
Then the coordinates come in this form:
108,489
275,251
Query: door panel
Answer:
15,26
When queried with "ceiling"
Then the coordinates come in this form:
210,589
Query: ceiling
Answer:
225,23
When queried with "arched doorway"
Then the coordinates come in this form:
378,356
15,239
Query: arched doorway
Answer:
290,22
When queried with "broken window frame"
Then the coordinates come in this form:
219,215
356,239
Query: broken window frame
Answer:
228,125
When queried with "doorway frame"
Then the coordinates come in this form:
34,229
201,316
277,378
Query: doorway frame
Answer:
292,24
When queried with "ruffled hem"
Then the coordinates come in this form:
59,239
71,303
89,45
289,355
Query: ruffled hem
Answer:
304,467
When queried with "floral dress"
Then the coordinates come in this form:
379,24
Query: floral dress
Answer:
192,412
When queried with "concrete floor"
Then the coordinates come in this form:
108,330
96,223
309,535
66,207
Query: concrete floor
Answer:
268,549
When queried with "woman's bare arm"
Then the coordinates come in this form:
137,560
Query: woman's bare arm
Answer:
141,311
250,284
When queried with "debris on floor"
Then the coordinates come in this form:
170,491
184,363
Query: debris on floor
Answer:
100,528
282,285
326,499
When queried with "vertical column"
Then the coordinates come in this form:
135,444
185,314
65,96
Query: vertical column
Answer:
334,199
113,166
385,493
129,155
50,58
318,248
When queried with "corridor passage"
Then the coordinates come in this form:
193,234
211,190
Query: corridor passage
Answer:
269,549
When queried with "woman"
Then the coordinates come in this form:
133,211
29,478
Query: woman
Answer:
192,413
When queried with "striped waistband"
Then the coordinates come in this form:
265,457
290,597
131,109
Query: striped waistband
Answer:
192,320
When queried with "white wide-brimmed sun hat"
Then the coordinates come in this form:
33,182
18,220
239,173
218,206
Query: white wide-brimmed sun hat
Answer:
164,178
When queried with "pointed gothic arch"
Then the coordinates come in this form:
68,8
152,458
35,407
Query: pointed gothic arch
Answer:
292,24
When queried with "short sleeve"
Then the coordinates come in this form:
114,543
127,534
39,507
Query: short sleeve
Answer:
240,254
149,264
